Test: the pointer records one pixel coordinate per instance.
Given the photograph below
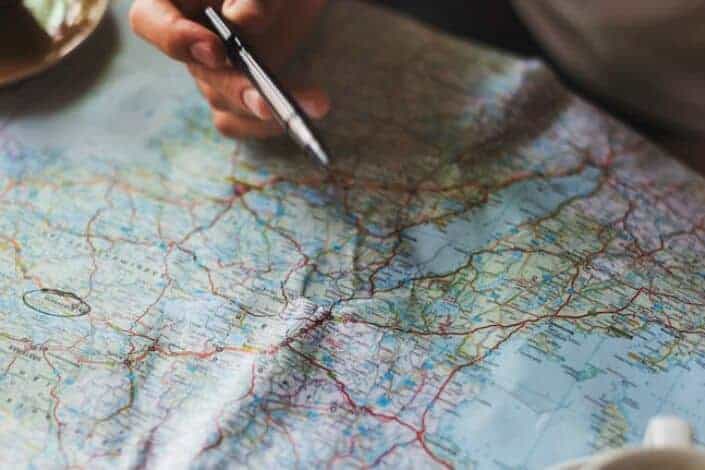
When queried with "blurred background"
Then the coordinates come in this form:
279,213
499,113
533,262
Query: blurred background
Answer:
494,22
497,24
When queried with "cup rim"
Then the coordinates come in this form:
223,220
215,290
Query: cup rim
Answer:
615,455
589,461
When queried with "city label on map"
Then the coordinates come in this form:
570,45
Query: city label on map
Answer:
56,303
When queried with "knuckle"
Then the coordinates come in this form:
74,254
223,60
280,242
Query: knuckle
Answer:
221,123
171,44
193,70
215,102
133,16
198,72
174,37
211,99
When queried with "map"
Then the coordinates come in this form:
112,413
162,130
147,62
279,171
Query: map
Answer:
493,275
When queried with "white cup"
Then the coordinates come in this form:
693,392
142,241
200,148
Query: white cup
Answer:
668,445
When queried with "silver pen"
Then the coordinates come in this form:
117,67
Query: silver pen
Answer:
284,109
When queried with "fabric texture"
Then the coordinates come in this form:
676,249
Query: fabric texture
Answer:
647,55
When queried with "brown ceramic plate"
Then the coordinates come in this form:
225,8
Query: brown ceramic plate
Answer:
26,51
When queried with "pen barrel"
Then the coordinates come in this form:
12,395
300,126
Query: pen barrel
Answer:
282,106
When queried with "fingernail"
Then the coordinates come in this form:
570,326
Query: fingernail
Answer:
314,108
228,8
252,15
203,54
228,5
251,99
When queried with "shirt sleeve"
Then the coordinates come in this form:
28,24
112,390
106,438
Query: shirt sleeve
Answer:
646,55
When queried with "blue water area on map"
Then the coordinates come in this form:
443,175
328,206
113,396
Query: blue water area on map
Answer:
531,411
436,250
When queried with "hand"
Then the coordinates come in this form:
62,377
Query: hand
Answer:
274,28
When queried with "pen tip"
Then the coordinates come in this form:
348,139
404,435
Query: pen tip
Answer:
320,154
324,158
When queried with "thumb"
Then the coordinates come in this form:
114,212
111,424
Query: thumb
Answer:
251,16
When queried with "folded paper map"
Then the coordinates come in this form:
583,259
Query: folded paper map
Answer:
498,275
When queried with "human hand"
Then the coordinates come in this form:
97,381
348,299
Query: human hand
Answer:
274,28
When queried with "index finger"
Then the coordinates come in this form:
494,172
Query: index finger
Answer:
162,24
